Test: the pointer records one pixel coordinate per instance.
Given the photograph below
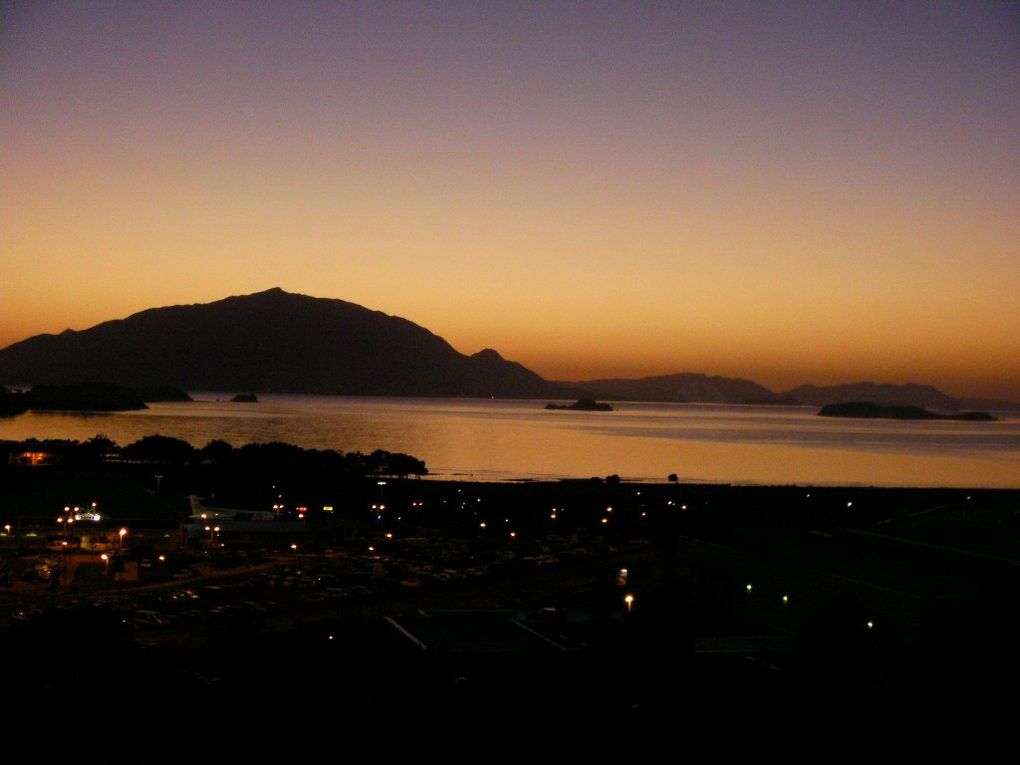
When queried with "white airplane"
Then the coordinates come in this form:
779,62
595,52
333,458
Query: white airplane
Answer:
200,512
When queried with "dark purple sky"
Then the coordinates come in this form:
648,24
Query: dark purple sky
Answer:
785,191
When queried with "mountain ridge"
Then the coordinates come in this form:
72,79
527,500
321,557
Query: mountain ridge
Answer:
280,342
271,342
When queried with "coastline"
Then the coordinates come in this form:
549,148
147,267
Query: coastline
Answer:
511,440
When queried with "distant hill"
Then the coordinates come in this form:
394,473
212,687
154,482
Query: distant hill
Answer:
80,397
871,410
279,342
910,394
880,393
688,386
271,341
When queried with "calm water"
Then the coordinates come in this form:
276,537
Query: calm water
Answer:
505,440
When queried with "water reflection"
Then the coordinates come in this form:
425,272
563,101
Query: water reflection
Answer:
505,440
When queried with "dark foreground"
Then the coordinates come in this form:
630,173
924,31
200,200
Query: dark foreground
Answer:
772,623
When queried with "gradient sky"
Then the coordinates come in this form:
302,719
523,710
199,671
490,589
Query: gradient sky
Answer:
790,192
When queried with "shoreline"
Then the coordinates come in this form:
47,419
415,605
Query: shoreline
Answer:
509,442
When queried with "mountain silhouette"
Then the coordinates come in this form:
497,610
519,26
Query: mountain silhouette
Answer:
271,341
910,394
280,342
687,386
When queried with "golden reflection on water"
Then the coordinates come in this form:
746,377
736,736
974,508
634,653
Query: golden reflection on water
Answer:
504,440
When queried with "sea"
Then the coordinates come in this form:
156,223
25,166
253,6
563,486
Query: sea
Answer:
509,440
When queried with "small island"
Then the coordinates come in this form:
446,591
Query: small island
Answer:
245,398
83,397
582,405
86,397
867,409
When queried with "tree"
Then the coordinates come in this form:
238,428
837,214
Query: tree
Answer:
217,451
160,449
403,465
100,443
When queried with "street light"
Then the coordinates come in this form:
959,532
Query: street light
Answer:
629,600
122,533
63,549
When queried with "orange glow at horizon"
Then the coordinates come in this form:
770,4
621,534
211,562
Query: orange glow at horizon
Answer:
601,194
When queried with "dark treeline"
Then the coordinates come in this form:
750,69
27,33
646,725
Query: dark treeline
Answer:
274,456
37,475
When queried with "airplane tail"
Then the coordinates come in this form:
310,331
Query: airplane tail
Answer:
197,508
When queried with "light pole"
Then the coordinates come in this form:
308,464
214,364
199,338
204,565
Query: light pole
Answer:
65,567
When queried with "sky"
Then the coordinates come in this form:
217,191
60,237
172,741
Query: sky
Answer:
789,192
